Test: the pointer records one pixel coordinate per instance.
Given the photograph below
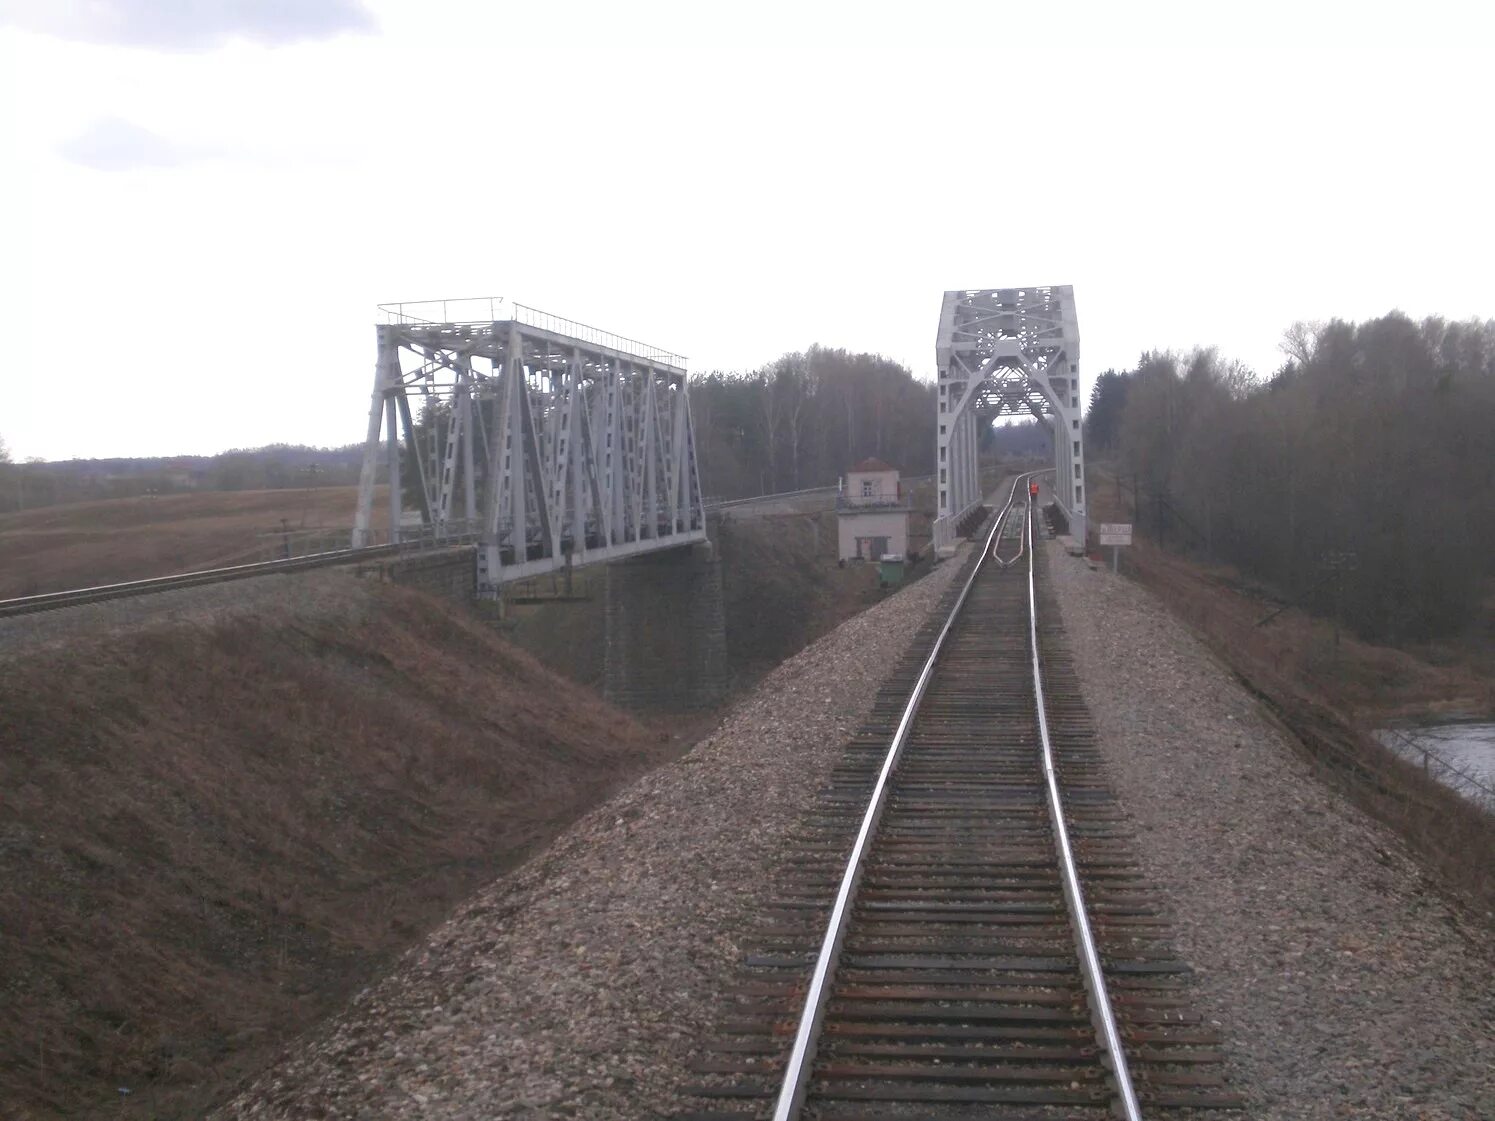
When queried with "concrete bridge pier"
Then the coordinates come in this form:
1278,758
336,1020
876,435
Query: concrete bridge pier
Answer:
665,645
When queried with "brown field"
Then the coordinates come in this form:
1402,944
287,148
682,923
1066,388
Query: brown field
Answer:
87,543
217,825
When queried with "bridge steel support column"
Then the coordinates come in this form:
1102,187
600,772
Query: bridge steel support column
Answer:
1006,352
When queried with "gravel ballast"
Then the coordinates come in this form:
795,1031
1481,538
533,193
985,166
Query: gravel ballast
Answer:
1346,986
580,985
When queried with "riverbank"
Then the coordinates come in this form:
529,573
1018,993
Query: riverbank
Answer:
1459,754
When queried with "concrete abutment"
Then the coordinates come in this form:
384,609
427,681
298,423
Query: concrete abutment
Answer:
666,632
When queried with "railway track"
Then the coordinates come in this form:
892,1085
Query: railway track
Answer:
74,597
961,930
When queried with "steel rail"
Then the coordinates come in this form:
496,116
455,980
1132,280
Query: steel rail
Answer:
799,1066
1074,896
1001,528
74,597
797,1069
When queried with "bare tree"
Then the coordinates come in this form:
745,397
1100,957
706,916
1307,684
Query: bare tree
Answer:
1299,340
802,419
1375,442
768,385
798,373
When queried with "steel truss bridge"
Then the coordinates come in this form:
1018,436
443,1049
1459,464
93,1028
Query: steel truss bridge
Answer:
546,442
1006,352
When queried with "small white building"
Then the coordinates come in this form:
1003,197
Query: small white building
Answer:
871,514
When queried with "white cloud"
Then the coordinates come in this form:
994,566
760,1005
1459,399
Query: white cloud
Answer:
188,24
113,144
728,202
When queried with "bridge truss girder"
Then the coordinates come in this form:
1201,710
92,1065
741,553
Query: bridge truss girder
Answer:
1006,352
545,442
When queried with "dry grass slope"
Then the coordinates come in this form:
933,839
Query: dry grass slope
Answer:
214,829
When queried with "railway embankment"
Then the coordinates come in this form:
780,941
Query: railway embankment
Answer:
225,808
204,805
1346,982
580,985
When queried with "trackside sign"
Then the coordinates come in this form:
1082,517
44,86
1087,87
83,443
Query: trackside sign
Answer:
1115,533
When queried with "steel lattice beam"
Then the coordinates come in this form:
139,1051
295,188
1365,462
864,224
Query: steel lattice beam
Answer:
556,442
1006,352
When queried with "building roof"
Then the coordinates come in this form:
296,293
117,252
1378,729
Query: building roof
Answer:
873,464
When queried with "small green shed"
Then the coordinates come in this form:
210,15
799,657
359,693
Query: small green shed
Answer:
890,570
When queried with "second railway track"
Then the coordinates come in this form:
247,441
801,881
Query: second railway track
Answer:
944,976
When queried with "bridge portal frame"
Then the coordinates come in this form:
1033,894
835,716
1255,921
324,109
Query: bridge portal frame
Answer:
547,442
1006,352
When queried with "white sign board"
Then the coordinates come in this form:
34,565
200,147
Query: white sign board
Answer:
1115,533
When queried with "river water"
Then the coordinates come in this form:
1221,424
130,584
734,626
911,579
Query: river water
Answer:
1462,755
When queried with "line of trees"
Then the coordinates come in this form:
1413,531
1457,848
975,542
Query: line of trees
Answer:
801,420
277,466
1363,471
796,422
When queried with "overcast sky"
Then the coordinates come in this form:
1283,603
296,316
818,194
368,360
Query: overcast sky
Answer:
204,201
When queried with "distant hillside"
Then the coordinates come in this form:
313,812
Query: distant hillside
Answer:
25,486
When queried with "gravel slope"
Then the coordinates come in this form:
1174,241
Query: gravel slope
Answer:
578,986
1347,988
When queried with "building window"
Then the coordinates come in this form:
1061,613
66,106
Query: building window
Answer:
942,430
1077,447
866,488
1075,425
942,453
942,496
942,474
1079,493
